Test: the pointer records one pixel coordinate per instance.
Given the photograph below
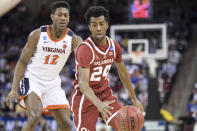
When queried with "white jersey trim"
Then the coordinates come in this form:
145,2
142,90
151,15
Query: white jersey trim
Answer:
112,116
73,100
97,49
80,110
91,50
114,48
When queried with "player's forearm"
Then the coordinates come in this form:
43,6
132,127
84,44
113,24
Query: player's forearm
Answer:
18,74
125,79
6,5
88,92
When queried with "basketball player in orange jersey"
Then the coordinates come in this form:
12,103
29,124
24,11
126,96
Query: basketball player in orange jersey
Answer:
92,96
41,61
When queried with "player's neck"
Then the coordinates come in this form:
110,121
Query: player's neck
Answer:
100,42
55,33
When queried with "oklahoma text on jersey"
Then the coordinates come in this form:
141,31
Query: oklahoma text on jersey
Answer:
100,65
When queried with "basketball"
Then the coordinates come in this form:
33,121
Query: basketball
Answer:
130,118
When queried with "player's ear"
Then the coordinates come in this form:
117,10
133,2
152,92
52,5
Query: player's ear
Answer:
89,27
107,25
52,17
68,18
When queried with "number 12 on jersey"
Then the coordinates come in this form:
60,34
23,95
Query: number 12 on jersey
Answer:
99,72
54,60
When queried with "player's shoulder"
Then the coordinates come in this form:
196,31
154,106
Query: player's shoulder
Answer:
70,33
43,28
74,36
35,34
83,49
84,46
33,38
114,41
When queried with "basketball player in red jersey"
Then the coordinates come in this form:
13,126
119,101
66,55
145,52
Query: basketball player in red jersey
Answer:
92,96
38,68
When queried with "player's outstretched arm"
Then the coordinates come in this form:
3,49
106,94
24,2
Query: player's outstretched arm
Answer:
76,41
125,79
7,5
26,54
103,107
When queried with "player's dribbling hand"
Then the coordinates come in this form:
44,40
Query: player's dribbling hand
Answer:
13,95
138,104
104,109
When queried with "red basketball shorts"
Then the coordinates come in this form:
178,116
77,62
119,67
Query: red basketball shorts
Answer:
85,113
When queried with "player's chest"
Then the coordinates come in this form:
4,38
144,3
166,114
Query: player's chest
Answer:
103,59
60,47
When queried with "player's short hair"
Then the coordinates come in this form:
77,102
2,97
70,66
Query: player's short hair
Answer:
58,4
96,11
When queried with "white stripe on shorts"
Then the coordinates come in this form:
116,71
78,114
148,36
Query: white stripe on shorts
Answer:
112,116
79,115
73,100
74,119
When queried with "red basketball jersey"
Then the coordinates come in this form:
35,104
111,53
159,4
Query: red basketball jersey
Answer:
100,65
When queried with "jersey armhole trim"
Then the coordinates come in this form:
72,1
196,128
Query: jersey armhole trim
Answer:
114,48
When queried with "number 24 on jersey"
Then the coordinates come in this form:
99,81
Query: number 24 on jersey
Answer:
99,72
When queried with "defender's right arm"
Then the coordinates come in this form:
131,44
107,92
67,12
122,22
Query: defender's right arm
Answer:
21,65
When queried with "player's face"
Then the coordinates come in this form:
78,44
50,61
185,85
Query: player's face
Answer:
60,18
98,27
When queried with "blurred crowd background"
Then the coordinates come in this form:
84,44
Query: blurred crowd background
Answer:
175,79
